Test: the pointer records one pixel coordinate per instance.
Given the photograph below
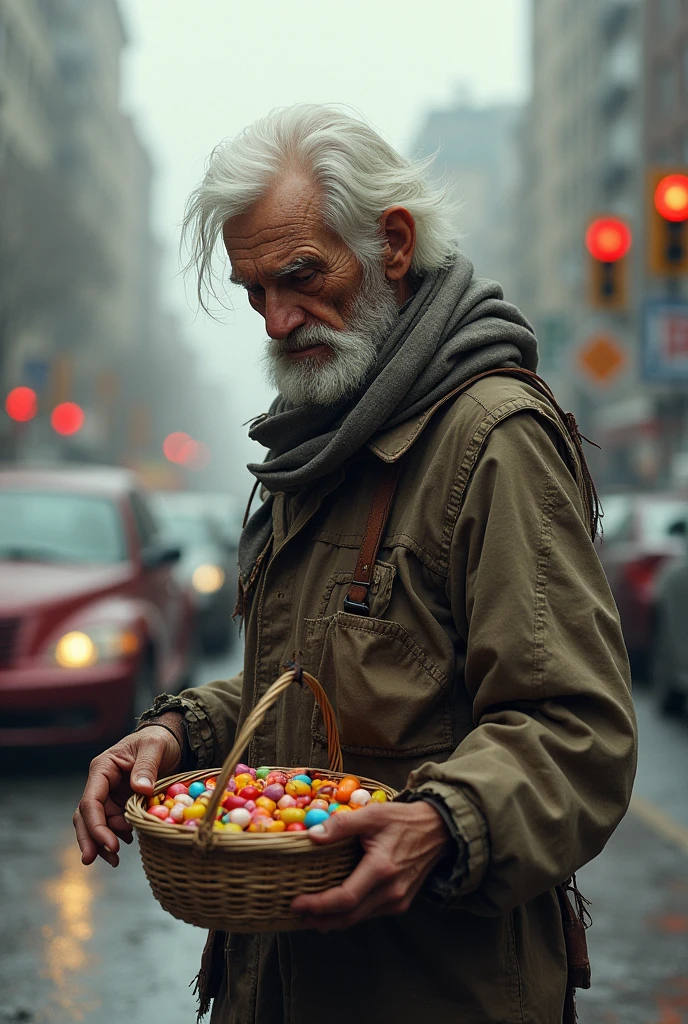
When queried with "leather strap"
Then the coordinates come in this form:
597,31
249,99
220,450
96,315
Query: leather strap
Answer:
356,600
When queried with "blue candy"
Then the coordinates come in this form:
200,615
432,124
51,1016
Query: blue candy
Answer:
196,788
304,778
315,817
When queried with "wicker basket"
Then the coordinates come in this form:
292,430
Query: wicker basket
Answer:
242,882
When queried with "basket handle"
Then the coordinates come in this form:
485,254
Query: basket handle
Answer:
254,719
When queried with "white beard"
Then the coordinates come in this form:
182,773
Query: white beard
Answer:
353,352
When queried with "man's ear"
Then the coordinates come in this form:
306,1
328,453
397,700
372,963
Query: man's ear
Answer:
399,229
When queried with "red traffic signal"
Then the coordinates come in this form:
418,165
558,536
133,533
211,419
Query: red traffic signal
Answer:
67,418
671,198
608,239
21,404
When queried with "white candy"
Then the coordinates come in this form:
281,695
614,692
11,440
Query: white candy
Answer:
360,797
184,799
240,816
317,830
177,812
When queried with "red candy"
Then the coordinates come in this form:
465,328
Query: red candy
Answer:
175,789
249,793
296,826
233,801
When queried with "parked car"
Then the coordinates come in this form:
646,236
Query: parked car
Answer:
669,660
92,621
637,543
208,566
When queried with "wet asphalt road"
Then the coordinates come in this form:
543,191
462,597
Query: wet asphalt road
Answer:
92,945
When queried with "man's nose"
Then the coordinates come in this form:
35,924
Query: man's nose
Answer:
282,316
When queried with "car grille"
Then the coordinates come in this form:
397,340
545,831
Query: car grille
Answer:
9,629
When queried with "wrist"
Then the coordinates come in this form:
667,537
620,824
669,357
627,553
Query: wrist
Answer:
428,819
171,724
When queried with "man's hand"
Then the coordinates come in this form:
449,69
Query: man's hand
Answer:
132,765
402,843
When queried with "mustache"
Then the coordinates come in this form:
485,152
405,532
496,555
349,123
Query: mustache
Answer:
302,338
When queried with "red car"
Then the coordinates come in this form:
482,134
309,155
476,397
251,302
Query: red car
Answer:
637,543
92,622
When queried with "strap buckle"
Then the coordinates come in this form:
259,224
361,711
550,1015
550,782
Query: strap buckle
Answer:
356,607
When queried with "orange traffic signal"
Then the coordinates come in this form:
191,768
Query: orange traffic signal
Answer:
667,211
608,240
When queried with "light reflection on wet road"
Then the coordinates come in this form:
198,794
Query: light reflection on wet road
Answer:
91,944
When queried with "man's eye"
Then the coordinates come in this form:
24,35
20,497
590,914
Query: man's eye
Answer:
305,278
255,290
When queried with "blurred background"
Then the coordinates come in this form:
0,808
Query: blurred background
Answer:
563,127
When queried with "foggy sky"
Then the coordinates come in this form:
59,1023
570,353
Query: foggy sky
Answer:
197,71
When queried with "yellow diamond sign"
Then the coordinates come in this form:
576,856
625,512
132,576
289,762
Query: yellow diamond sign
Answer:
601,358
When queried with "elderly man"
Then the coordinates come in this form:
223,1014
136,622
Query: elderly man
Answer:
478,666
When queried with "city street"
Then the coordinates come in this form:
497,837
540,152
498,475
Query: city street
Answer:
92,945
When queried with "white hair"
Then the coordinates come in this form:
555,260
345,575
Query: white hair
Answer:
358,173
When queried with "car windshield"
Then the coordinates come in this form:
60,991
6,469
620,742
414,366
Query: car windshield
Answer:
658,516
187,530
37,526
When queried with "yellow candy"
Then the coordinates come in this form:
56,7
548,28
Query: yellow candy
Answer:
243,780
298,788
259,825
196,810
291,814
168,803
276,826
267,803
379,796
220,825
233,827
342,808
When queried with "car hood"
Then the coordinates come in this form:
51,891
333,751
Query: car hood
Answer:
31,585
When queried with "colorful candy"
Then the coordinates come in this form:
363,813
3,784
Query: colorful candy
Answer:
264,801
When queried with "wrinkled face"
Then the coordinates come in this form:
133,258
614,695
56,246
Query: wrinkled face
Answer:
308,286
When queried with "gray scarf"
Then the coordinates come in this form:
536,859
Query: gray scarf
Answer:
455,326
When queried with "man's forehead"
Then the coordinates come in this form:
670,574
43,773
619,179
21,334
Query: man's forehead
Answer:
282,232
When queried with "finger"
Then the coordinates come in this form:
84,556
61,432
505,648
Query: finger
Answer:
145,770
118,823
89,850
365,822
373,871
103,776
110,858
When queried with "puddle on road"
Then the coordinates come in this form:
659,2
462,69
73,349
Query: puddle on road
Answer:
66,958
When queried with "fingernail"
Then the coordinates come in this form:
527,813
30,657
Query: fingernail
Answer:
109,849
142,782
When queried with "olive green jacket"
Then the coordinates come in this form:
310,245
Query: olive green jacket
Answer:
491,674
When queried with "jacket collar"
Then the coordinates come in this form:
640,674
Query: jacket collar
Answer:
390,445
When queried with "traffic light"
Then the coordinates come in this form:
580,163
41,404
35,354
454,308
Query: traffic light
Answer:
67,418
21,404
608,240
668,221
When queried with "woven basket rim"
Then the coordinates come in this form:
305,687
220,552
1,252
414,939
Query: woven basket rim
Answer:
135,813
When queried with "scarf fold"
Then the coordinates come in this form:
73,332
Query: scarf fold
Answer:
455,326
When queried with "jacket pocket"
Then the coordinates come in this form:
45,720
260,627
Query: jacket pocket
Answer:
379,593
390,700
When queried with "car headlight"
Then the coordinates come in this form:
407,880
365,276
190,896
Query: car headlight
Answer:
206,579
102,643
